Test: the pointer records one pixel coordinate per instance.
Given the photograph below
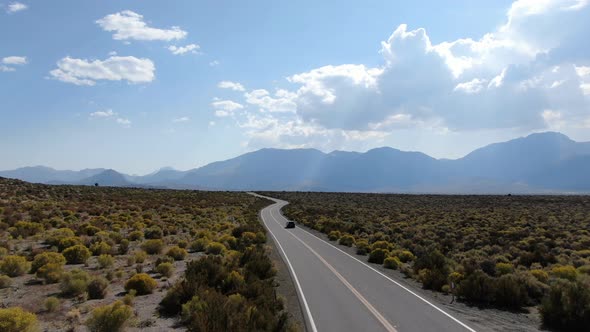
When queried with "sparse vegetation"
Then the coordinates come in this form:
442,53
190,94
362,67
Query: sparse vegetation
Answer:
16,319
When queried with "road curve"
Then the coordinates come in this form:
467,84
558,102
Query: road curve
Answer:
338,292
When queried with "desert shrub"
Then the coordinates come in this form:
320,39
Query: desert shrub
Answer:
109,318
405,256
392,263
100,248
510,292
25,229
142,283
334,235
378,255
97,288
90,230
129,297
177,253
77,254
215,248
163,259
165,269
52,304
362,247
140,256
476,287
68,242
567,306
135,236
233,282
74,283
504,268
123,247
541,275
154,232
5,281
346,240
199,245
50,273
15,319
56,235
105,261
565,272
153,246
432,268
380,245
14,266
182,244
46,258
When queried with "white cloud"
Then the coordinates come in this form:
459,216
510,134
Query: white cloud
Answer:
231,85
124,122
214,63
281,102
115,68
16,7
226,106
531,73
15,60
181,119
128,25
6,69
192,48
103,114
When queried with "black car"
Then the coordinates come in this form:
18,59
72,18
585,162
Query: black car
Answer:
290,224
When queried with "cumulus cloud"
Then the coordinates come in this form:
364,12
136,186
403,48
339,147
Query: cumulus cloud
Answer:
128,25
103,114
281,102
508,78
115,68
16,7
7,64
225,108
182,50
231,85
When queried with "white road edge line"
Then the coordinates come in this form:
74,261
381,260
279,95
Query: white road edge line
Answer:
388,278
386,324
302,296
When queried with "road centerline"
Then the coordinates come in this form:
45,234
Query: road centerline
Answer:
386,324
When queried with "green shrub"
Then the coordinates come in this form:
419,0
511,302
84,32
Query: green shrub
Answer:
14,266
46,258
141,283
135,236
56,235
405,256
97,288
565,272
140,256
154,232
5,281
100,248
334,235
346,240
381,245
153,246
74,283
123,247
67,242
392,263
378,255
215,248
50,273
476,287
109,318
541,275
52,304
567,307
199,245
77,254
504,268
15,319
177,253
105,261
25,229
362,247
510,292
165,269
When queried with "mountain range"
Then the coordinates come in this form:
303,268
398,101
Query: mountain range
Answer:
538,163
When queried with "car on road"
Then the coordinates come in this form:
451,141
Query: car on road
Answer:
290,224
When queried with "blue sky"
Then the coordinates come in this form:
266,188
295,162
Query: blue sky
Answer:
138,85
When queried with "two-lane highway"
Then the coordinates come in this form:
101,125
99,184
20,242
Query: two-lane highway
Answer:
338,292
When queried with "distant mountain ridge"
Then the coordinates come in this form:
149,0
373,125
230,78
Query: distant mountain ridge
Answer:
543,162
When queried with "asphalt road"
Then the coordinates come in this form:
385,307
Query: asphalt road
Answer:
341,293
